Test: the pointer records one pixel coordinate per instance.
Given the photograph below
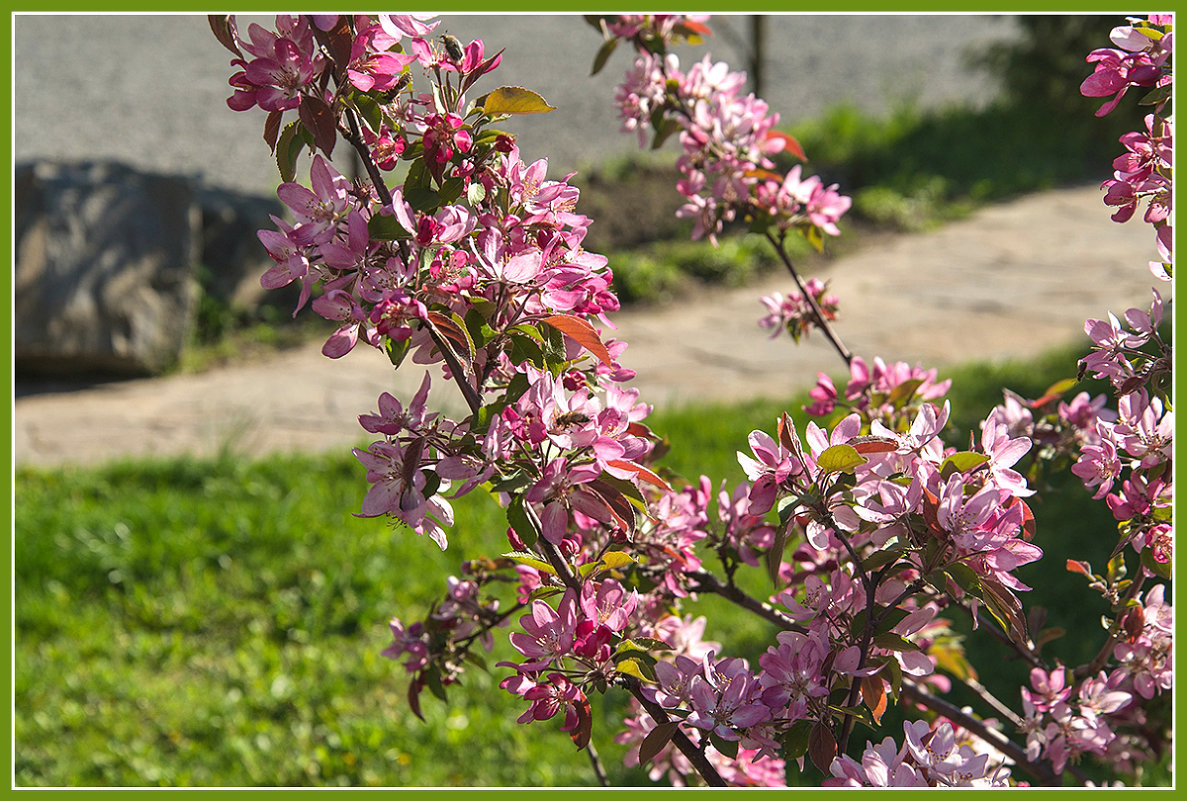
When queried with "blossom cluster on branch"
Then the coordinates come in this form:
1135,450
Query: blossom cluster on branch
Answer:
873,531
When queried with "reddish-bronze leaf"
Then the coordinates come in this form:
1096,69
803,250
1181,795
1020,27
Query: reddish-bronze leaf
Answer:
616,502
319,120
414,688
688,27
1005,606
223,26
641,472
451,332
786,431
790,144
272,128
584,728
822,746
582,333
930,505
1083,568
1028,519
873,692
872,443
655,740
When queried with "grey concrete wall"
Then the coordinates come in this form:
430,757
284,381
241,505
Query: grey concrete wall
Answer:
150,90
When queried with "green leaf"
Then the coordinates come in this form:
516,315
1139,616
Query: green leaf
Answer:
795,741
617,559
520,522
603,54
1060,387
422,199
903,392
965,577
961,462
640,658
512,483
638,669
727,747
292,139
396,351
514,100
385,227
774,555
530,560
451,190
895,642
523,349
840,458
369,110
888,619
663,130
489,136
1160,569
476,325
880,558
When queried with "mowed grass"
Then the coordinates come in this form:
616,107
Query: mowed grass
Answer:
220,622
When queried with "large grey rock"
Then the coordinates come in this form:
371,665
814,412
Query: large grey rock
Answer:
232,254
105,272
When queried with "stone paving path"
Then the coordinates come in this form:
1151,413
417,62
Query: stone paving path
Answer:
1011,281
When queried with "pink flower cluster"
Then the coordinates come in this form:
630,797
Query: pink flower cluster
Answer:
1141,58
792,313
727,138
878,390
930,756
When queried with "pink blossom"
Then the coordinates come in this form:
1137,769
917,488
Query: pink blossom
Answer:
393,418
1098,465
548,634
550,697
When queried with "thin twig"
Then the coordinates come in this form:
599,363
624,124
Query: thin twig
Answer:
707,582
356,140
829,333
991,699
995,738
1107,649
980,621
596,763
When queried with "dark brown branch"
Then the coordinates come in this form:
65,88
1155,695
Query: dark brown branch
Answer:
686,746
707,582
694,755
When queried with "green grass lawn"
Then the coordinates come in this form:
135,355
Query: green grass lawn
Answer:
219,622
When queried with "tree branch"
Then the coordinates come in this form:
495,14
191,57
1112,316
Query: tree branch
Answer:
686,746
829,333
707,582
1040,772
